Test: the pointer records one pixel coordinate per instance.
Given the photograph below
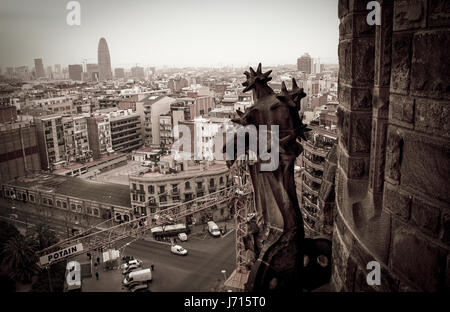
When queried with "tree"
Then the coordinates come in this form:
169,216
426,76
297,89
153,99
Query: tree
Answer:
19,257
42,236
7,231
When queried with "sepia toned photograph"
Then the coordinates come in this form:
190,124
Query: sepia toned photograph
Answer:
225,150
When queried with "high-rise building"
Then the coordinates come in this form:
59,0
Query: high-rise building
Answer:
75,71
22,72
119,73
104,61
58,68
137,72
304,63
20,151
39,67
51,142
49,72
92,72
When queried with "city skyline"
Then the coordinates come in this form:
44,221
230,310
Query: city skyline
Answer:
189,34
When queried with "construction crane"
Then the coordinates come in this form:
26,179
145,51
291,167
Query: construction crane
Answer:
106,233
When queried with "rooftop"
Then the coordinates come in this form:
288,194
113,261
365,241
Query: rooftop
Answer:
106,193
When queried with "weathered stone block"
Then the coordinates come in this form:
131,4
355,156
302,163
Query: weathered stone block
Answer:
345,26
421,261
401,63
345,61
409,14
430,70
425,216
342,8
401,110
433,117
360,133
343,120
363,61
354,167
439,13
398,202
355,98
357,6
394,154
361,98
425,165
360,27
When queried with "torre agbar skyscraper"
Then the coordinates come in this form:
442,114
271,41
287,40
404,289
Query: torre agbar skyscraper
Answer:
104,62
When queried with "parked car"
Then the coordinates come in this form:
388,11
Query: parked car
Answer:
133,262
131,268
182,237
139,288
178,250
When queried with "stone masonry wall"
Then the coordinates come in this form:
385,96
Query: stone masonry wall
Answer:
392,189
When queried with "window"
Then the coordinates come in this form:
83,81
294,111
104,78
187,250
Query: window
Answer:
151,189
58,203
73,207
141,198
134,197
221,180
187,185
31,198
162,189
78,207
199,185
88,210
64,204
141,187
96,212
211,182
152,209
163,199
134,186
45,201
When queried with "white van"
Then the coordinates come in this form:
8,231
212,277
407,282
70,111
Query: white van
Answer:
213,229
137,277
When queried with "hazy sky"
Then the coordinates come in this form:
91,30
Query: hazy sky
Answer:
169,32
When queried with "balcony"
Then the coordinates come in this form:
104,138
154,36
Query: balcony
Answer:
312,177
309,201
319,151
312,164
310,190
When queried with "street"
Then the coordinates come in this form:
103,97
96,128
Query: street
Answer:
199,271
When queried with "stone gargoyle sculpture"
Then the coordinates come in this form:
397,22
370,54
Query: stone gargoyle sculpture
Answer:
276,239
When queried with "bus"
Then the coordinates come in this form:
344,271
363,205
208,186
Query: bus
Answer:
168,230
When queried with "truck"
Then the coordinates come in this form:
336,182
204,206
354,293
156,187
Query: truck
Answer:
213,229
